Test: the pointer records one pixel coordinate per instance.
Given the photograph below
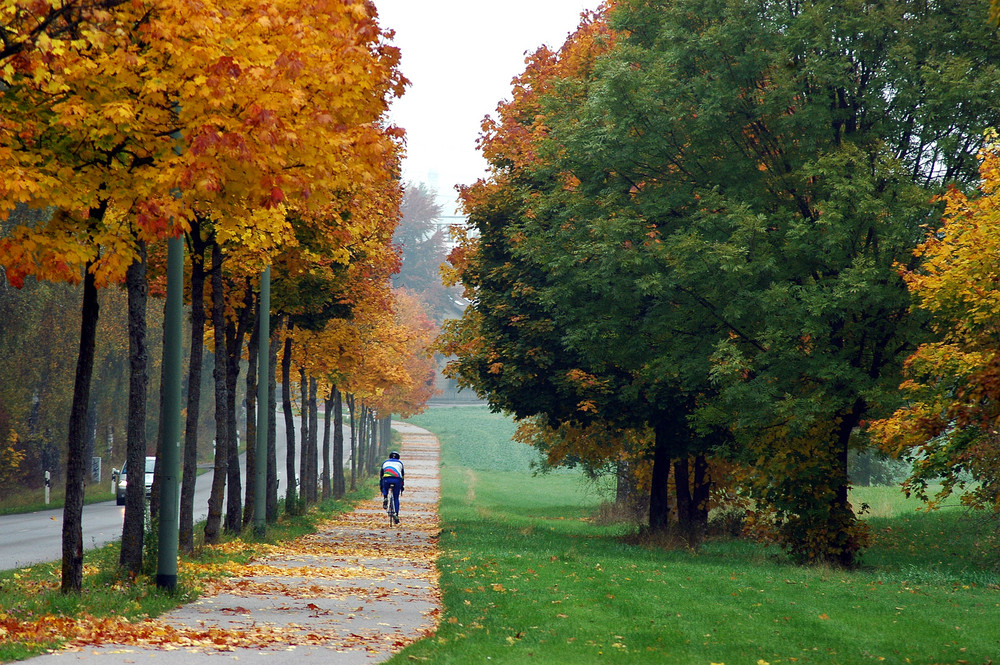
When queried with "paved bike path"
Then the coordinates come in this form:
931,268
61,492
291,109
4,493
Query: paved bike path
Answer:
354,593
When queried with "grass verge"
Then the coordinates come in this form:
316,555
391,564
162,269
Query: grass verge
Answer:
31,596
528,576
30,501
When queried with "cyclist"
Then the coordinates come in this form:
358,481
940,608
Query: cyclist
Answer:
392,478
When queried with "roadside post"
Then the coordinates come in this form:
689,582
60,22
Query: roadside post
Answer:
170,419
263,422
48,486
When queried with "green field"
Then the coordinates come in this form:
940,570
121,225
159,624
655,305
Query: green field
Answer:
529,576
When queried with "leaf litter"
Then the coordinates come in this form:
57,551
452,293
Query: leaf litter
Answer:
356,544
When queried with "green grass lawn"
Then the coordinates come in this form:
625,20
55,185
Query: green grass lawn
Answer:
528,576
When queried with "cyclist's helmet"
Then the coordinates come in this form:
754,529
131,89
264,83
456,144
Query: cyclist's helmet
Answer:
394,455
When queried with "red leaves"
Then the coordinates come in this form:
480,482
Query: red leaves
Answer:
16,277
291,63
277,196
226,67
152,219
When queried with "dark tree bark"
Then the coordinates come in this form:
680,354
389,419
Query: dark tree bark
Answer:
214,521
659,499
624,486
190,464
842,515
72,528
135,444
339,485
286,405
313,465
235,333
327,418
354,447
304,438
251,405
362,440
702,491
371,436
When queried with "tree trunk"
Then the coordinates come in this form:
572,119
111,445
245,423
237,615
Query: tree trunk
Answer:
72,527
303,438
354,449
220,374
272,426
842,518
659,499
327,417
624,484
339,486
135,444
362,422
190,466
251,439
286,404
235,333
313,466
370,437
384,436
702,493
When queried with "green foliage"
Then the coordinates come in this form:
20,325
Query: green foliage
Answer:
706,231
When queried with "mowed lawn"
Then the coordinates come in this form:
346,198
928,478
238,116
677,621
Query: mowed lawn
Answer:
529,576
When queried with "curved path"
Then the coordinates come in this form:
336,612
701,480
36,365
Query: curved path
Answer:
355,592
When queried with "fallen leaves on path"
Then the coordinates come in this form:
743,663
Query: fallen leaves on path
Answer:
353,556
87,631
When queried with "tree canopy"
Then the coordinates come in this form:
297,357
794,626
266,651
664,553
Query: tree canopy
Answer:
694,218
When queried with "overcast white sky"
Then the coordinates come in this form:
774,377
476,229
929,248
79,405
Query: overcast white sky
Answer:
460,57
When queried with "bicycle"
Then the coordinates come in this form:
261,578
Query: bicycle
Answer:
391,510
390,507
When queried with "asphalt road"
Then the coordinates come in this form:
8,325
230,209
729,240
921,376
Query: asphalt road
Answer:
31,538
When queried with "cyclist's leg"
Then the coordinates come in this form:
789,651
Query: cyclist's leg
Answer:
383,486
395,496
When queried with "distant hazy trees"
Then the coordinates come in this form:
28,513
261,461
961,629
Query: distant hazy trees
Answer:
423,239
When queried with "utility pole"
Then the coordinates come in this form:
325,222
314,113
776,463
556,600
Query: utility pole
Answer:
170,420
263,416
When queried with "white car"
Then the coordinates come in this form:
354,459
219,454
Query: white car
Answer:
123,482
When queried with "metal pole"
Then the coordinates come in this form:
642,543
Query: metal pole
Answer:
263,384
170,419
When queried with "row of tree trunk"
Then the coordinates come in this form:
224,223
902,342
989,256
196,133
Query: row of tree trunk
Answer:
678,499
234,323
